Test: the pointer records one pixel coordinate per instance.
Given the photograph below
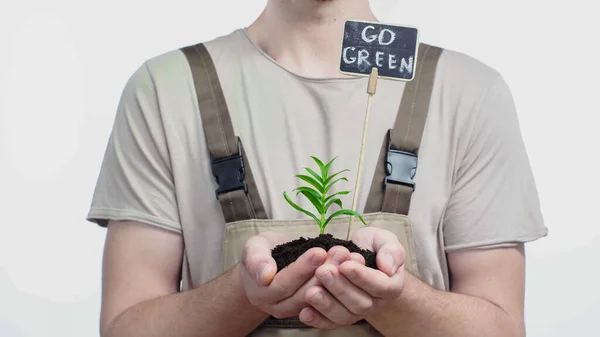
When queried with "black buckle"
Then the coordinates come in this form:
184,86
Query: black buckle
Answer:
230,172
401,166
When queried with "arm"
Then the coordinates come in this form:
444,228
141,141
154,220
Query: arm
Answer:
493,201
141,272
486,299
143,253
141,282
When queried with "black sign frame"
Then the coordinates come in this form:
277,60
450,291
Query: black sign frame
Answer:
353,40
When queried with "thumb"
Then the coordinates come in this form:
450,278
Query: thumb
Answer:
390,252
257,260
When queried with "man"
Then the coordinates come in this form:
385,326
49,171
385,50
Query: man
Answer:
165,267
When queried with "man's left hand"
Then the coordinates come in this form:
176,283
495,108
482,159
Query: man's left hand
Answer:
351,291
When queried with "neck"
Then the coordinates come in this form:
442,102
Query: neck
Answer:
304,36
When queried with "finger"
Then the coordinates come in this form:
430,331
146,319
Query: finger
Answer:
390,252
390,258
291,278
292,305
374,282
338,255
257,259
356,257
329,307
311,317
354,299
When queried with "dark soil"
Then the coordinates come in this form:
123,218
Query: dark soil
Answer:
288,252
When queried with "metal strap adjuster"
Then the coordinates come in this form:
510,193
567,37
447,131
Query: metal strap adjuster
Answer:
401,166
230,172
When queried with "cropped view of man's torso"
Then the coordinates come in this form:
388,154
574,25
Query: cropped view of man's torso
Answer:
283,119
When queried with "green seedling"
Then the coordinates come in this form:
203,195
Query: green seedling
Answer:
317,194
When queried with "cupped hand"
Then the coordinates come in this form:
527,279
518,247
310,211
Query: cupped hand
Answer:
351,291
279,294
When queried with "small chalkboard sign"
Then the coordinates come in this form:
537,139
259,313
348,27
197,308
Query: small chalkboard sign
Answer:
391,49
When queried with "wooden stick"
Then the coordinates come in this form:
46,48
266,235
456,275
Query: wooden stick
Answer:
371,88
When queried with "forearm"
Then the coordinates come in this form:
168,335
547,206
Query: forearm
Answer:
423,311
206,311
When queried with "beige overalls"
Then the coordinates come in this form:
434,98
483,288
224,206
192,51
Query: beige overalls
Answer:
387,203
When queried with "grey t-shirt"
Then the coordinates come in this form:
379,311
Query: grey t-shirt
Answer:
475,185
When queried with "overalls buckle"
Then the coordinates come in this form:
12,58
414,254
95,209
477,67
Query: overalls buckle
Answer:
400,166
230,172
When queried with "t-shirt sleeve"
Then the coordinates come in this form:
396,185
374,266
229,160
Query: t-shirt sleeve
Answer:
136,179
494,199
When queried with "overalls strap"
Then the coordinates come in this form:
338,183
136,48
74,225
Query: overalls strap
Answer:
237,191
393,185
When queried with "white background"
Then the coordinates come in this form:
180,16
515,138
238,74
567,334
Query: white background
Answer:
64,63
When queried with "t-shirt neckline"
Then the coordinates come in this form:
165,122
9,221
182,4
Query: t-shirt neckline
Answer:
244,33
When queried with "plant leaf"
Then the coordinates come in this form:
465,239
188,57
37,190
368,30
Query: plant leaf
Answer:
344,212
334,194
287,198
316,175
328,166
321,166
333,175
308,189
313,196
332,183
336,201
311,181
315,200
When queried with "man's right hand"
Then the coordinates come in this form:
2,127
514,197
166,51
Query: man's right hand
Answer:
280,294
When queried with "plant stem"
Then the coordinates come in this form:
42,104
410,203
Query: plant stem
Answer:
321,226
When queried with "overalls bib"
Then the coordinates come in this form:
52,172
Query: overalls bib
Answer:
389,196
